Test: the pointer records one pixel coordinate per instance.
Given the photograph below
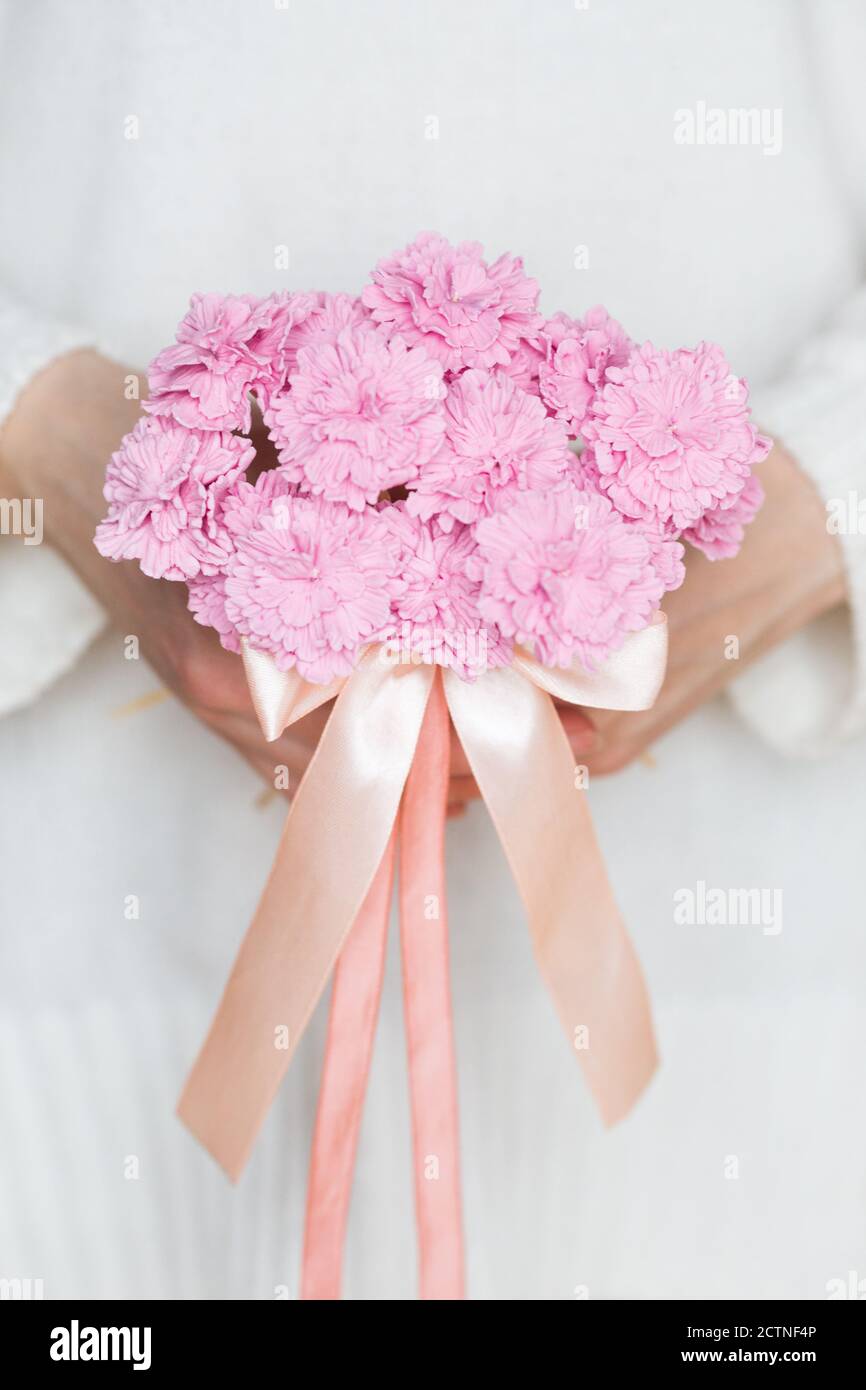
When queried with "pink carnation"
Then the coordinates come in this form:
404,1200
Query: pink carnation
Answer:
556,329
435,617
548,470
227,346
562,572
672,434
272,346
607,340
164,487
585,471
329,315
579,354
525,364
240,509
666,552
309,583
719,532
362,415
465,312
663,538
207,603
498,440
245,503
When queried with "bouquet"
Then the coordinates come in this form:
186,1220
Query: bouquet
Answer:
473,508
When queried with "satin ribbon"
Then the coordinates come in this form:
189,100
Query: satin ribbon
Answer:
427,1008
333,869
355,996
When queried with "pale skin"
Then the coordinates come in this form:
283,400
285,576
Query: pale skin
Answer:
71,417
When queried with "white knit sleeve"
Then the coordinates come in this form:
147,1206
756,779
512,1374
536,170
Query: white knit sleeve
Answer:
811,691
47,617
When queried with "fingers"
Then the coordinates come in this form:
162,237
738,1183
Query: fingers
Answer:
280,764
581,731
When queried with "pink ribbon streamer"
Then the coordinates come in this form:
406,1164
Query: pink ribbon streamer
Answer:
351,1027
355,996
335,836
427,1006
333,868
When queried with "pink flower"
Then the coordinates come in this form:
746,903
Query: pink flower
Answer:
666,552
719,532
245,503
463,311
672,434
498,440
241,507
556,329
362,415
562,572
579,355
272,346
164,487
227,346
607,340
585,471
310,583
434,603
329,316
207,603
525,364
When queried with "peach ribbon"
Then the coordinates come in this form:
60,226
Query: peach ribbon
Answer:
380,769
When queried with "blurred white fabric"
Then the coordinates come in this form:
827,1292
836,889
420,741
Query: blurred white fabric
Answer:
305,126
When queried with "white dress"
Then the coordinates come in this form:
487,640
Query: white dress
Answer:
339,131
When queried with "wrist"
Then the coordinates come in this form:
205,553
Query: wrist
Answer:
26,435
75,406
803,562
53,449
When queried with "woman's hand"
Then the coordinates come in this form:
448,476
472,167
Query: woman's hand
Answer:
728,612
55,446
72,416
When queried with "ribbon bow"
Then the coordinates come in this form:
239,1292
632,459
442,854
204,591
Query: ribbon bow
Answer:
379,773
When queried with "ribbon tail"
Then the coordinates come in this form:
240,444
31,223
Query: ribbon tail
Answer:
281,697
335,836
427,1008
355,997
523,765
630,679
